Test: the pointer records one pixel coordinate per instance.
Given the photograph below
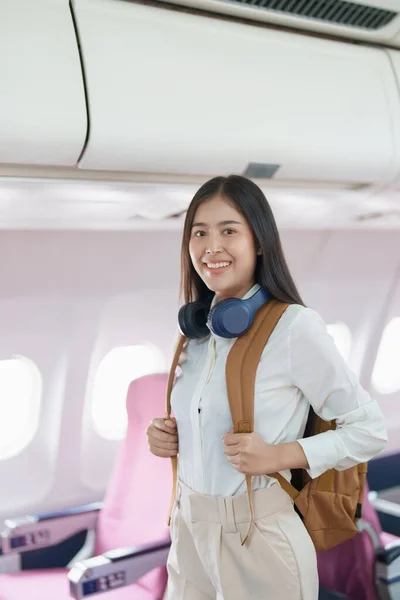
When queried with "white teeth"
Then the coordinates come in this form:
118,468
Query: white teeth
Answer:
218,265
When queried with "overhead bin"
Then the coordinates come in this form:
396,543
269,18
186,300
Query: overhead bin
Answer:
42,101
172,92
179,93
395,59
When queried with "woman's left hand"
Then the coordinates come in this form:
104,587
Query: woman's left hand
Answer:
249,454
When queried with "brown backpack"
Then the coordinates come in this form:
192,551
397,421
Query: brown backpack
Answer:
330,504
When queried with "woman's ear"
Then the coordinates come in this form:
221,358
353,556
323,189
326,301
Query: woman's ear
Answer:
259,251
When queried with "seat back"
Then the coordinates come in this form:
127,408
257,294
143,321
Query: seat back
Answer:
136,503
350,567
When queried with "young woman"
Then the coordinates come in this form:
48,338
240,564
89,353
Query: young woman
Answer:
231,248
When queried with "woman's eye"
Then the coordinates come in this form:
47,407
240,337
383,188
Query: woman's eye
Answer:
229,231
198,233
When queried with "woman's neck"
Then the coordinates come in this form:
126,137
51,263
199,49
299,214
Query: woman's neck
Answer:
238,293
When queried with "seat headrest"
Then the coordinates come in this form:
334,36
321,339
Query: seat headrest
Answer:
143,397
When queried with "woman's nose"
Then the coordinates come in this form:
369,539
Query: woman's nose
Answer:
213,245
213,249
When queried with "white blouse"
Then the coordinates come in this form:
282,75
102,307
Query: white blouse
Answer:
300,365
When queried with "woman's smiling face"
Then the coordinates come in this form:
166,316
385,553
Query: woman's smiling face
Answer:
222,249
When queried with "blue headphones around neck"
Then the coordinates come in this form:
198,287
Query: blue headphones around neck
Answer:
229,318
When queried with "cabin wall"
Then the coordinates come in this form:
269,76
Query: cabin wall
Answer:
68,298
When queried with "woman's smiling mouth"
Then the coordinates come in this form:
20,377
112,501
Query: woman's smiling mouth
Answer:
215,268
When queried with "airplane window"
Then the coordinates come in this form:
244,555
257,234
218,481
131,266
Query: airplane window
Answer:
115,372
342,337
20,397
386,373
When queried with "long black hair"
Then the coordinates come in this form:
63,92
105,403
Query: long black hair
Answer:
272,271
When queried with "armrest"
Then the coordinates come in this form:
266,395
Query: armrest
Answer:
389,554
31,532
392,494
387,571
386,507
116,568
385,554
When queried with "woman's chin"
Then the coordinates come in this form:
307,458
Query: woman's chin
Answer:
221,291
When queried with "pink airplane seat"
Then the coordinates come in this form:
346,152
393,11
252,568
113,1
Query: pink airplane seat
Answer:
133,515
354,567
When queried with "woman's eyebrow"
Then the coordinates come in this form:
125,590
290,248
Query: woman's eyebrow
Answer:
219,224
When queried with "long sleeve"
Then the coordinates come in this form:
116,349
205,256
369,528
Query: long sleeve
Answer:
319,371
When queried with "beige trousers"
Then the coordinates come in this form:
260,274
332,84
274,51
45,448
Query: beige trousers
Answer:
207,560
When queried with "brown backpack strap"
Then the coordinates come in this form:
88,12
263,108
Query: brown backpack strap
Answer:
171,379
241,369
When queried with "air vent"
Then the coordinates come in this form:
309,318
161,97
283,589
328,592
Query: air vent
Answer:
330,11
261,170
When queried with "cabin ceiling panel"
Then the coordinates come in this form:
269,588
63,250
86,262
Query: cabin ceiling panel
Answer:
50,204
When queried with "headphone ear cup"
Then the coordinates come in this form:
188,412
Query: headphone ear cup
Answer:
230,318
192,319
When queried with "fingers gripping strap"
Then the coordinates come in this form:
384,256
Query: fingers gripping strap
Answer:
241,369
171,379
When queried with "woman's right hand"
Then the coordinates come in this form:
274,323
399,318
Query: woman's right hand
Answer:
162,437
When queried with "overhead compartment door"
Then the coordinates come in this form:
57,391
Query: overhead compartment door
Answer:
182,93
42,100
